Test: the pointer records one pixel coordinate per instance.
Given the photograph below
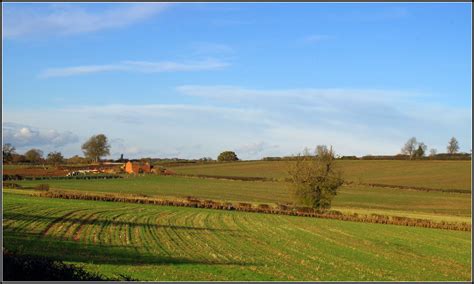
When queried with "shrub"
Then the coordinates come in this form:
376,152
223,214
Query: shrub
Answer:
227,156
314,178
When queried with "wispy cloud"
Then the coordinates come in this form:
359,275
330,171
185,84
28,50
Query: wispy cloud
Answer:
231,93
348,114
257,123
22,20
263,122
136,66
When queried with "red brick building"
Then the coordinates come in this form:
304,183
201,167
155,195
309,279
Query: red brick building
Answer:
137,168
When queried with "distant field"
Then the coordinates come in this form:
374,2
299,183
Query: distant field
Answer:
149,242
433,174
432,205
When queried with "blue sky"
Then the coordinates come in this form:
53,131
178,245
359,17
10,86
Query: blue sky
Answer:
262,79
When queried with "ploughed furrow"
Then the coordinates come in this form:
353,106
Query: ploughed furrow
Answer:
66,227
30,219
233,239
206,238
87,222
265,249
162,233
154,243
198,235
102,233
178,232
217,238
119,230
56,226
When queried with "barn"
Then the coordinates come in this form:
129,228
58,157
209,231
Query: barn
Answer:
137,168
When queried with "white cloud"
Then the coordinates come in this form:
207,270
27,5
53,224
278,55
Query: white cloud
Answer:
22,20
21,135
136,66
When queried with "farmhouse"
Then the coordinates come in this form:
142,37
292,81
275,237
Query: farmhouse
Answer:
137,168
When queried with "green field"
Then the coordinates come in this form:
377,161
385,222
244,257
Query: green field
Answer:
353,198
431,174
149,242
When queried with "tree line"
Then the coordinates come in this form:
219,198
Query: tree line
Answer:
94,148
417,150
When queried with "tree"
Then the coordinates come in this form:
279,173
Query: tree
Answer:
433,152
34,156
410,147
227,156
18,158
97,146
55,158
8,150
421,150
453,146
314,178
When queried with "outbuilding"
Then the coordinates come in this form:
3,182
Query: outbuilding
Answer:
137,168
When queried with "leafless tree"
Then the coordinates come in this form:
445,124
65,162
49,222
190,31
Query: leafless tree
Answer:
453,146
410,147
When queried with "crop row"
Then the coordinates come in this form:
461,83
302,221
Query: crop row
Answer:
262,208
164,243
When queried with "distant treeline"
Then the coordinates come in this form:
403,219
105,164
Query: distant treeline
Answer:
441,156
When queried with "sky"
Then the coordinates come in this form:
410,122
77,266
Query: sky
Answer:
191,80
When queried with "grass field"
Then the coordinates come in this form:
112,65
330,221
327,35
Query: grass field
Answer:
149,242
354,198
432,174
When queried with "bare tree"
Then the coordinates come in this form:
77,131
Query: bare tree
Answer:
433,152
453,146
410,147
8,150
314,178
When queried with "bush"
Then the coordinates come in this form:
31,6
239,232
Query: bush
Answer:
314,179
227,156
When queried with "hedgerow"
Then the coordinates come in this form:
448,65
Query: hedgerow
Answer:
283,209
